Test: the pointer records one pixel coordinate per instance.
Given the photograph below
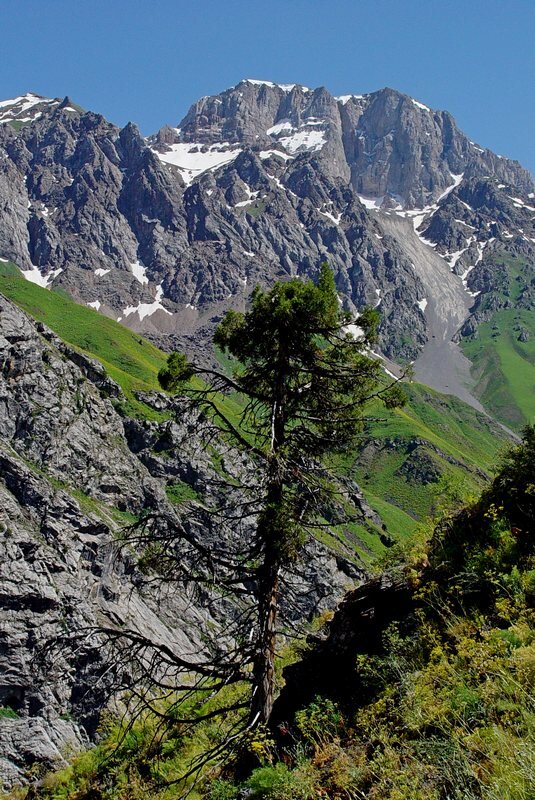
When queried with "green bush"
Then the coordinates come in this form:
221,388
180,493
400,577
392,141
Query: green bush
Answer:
7,713
280,783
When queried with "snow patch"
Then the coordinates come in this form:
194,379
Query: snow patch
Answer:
303,140
371,202
422,304
139,272
420,105
480,247
281,126
456,181
418,215
13,108
250,197
286,87
330,216
95,304
382,358
35,275
519,203
264,154
147,309
452,258
26,101
354,331
192,159
278,183
100,272
345,98
462,222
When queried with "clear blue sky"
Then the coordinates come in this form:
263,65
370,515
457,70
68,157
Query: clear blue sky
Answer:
148,60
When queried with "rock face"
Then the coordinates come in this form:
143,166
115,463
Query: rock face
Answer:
259,183
357,627
72,473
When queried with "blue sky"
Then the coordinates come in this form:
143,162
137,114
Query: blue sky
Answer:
148,60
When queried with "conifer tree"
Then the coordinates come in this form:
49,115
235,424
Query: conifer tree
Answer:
302,367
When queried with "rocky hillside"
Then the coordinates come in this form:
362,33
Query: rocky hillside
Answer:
73,473
83,455
265,181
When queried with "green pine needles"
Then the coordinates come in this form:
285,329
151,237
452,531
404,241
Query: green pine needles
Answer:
302,367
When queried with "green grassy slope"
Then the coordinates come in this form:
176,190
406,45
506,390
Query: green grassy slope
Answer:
133,362
449,435
504,365
456,443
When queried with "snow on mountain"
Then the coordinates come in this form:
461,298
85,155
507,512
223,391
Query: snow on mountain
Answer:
260,182
192,159
286,87
147,309
25,108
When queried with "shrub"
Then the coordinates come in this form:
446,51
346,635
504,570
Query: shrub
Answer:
279,783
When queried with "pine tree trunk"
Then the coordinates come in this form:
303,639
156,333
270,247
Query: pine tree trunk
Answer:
268,574
264,665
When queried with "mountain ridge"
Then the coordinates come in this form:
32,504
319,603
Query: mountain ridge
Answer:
262,182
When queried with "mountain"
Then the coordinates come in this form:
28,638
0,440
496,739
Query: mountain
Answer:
265,181
29,107
164,235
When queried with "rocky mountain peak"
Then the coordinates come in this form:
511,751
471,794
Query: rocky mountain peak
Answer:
26,108
259,182
419,149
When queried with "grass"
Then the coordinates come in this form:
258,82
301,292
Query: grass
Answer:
180,492
129,359
467,444
6,712
17,124
256,208
504,366
459,432
392,515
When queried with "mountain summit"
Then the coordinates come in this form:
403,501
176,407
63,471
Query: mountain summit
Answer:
265,181
386,144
